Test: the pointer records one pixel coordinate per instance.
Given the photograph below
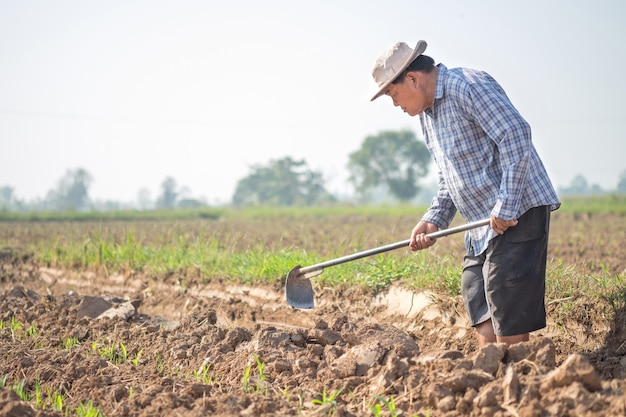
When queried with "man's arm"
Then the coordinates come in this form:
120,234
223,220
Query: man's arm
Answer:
438,216
442,210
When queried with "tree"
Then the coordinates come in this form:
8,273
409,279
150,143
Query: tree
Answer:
621,184
283,182
578,186
169,194
72,192
7,197
395,159
144,199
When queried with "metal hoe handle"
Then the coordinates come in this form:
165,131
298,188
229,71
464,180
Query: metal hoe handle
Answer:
391,246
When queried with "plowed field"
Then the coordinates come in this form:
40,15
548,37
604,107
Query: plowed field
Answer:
126,343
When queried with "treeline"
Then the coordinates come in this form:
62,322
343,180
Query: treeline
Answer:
389,166
581,187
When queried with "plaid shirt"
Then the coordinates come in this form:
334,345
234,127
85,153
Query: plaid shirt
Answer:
484,153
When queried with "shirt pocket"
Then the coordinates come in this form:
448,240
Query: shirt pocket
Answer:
531,225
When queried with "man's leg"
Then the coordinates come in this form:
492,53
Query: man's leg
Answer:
473,291
515,271
511,340
486,335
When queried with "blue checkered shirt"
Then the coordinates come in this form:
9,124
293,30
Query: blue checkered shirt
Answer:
483,150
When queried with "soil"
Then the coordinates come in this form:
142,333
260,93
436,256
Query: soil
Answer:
137,345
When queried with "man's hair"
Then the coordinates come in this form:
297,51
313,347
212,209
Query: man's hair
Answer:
423,63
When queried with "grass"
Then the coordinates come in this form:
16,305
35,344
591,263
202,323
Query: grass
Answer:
263,244
615,204
126,215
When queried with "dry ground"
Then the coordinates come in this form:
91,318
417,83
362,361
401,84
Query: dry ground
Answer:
223,349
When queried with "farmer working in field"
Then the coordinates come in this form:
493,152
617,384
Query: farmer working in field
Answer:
488,168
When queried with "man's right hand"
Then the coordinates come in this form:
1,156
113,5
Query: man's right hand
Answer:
419,240
500,226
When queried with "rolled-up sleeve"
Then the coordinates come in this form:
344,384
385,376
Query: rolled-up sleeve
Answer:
442,209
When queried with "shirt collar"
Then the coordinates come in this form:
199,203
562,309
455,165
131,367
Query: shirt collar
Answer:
442,72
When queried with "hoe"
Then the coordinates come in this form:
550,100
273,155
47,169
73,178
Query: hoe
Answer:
298,288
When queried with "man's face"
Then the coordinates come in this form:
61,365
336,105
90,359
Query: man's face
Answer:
408,95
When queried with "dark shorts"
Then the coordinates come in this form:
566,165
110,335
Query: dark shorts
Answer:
506,283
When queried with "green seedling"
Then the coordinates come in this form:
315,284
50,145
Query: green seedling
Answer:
260,366
108,353
116,354
123,353
328,399
32,331
70,342
286,394
202,374
377,409
57,402
160,365
21,392
300,402
88,410
15,326
260,385
246,379
137,358
38,396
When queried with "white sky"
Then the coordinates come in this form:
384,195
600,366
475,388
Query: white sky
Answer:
134,91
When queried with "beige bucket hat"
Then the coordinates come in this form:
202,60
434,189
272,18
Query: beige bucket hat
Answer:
392,62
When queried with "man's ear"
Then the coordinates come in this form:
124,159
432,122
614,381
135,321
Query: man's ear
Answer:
413,78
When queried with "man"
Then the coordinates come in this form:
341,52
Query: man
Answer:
488,168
